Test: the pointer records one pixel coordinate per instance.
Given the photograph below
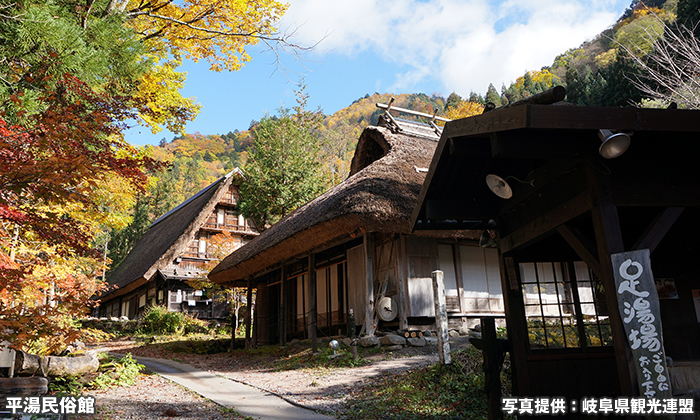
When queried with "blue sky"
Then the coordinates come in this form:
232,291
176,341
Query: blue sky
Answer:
401,46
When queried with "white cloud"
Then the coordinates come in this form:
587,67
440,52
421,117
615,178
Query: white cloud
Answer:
464,44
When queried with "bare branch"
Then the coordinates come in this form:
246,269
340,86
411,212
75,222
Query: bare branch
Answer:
671,72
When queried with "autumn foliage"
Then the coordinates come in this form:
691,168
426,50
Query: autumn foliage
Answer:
52,167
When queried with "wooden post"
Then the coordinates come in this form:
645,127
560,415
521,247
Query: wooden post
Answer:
248,310
312,302
257,311
401,268
369,276
608,235
516,323
441,317
492,368
234,319
282,318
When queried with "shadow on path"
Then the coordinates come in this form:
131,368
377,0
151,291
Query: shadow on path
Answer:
246,400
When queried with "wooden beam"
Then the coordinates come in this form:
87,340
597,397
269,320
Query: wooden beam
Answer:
656,196
542,176
469,146
582,246
574,118
549,96
455,210
547,222
313,315
369,278
659,227
552,144
498,120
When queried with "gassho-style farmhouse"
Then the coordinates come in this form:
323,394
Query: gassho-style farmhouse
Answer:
351,250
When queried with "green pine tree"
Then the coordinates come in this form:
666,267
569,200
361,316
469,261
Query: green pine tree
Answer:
283,170
492,96
453,101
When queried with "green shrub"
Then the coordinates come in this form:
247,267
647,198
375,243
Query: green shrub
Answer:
195,326
117,372
158,320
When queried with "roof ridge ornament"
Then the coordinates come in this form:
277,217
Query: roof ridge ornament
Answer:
400,125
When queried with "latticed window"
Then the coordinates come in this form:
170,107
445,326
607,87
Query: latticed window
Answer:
564,306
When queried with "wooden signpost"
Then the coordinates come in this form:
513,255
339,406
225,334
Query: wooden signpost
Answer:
441,317
639,309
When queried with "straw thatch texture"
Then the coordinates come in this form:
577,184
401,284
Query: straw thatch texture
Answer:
379,196
168,237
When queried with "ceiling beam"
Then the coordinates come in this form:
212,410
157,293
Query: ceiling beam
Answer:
547,222
447,209
582,246
657,229
656,195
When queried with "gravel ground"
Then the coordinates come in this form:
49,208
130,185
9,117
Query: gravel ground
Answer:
153,397
321,389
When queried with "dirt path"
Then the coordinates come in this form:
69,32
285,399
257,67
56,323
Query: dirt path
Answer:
316,388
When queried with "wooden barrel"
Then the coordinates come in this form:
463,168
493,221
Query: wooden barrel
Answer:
32,386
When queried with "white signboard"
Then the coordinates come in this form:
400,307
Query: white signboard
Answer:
639,309
696,301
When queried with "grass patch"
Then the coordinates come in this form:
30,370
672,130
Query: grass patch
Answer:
199,345
305,359
438,392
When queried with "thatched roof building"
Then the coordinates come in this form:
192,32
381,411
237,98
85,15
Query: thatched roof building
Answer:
380,194
359,233
171,247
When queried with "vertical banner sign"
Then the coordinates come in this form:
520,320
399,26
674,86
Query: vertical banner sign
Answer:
639,310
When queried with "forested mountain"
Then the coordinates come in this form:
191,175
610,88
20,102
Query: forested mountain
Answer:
596,73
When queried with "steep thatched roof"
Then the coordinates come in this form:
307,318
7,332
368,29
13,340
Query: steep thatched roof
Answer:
386,175
166,238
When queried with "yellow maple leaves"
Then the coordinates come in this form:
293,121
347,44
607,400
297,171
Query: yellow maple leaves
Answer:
464,109
162,104
214,30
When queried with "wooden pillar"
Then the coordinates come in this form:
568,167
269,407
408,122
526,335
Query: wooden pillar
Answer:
516,323
282,318
313,319
402,270
608,237
492,368
261,315
441,317
234,324
369,277
248,310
